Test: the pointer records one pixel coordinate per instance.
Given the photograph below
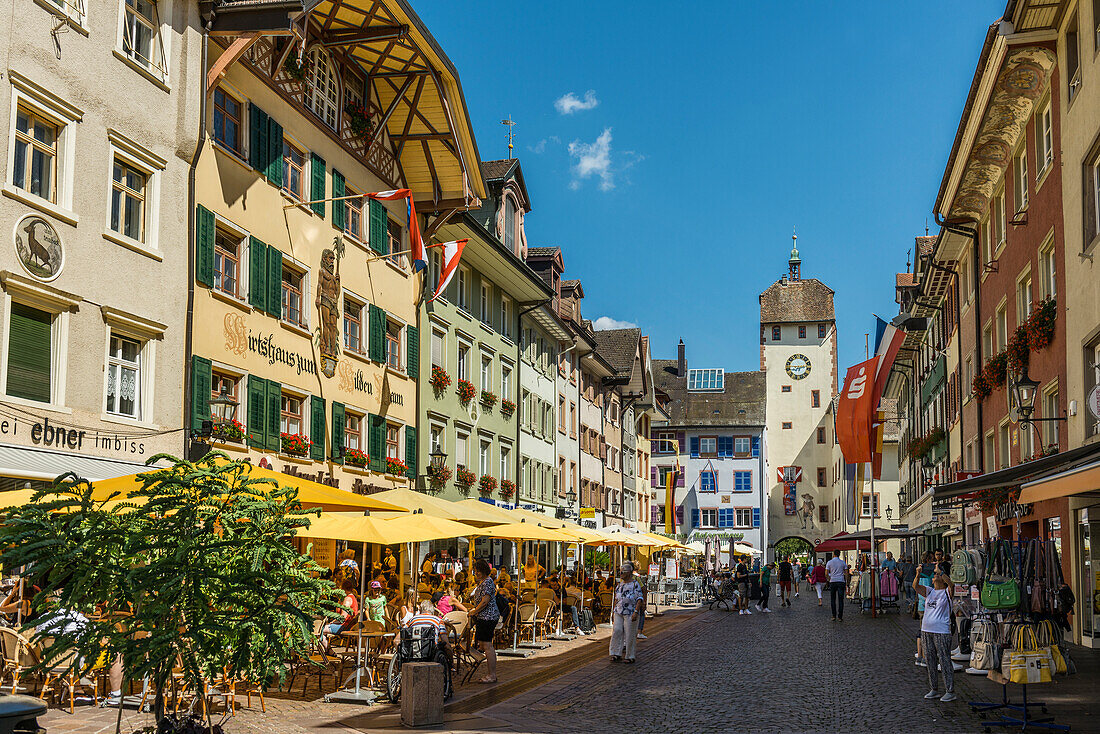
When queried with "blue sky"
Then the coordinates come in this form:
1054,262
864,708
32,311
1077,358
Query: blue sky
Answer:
669,149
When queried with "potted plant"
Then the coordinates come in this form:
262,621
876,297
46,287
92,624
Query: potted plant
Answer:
396,467
439,381
980,387
1018,350
231,431
487,484
438,476
989,499
507,408
294,69
996,369
355,457
294,444
465,479
465,391
507,488
358,120
1040,325
488,399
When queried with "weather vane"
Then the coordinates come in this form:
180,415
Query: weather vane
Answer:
511,124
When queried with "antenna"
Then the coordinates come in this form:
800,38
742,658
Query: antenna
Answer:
511,124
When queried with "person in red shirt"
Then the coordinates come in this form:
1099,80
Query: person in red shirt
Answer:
818,578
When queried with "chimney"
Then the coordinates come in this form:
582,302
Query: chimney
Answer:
681,361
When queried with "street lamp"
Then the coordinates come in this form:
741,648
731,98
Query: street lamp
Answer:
437,457
1023,391
889,513
223,407
614,507
570,497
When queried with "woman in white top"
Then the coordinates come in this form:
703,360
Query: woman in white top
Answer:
935,632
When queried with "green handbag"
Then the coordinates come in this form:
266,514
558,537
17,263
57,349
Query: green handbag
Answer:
1000,592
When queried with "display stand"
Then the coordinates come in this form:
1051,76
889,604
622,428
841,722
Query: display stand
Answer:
1043,723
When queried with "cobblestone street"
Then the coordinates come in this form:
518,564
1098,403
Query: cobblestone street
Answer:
789,671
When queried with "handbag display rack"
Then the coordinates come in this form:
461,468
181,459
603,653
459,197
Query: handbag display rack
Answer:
1023,577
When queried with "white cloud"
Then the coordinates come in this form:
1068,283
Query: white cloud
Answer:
606,323
593,159
569,103
540,147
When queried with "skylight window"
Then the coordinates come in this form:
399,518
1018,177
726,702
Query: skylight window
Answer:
706,380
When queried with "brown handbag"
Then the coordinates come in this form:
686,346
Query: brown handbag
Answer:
1039,585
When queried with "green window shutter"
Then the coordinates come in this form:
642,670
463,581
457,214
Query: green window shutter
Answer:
257,412
412,351
257,274
201,378
317,428
338,207
378,225
377,323
257,138
317,185
337,441
273,168
274,282
204,246
274,415
376,442
29,343
410,451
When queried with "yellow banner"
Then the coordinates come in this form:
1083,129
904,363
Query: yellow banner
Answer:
670,501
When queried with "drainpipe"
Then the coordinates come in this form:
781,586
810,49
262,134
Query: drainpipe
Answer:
561,354
188,326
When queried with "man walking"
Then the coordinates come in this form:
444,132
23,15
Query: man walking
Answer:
765,587
785,574
743,585
838,572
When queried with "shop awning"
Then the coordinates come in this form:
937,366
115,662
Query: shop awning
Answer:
1080,481
23,462
1022,473
842,542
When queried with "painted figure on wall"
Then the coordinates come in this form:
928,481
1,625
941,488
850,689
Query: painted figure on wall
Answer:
806,512
328,305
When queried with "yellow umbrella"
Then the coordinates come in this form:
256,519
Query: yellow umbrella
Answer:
660,541
524,531
408,499
310,493
405,528
621,538
482,513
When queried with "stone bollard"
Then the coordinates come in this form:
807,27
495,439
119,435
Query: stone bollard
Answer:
421,694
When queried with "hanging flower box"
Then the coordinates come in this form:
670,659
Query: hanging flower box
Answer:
996,369
980,387
487,484
294,69
989,499
294,444
488,399
507,488
921,447
358,120
355,457
1018,350
1040,325
465,391
1050,450
507,408
464,479
231,431
438,476
439,381
396,467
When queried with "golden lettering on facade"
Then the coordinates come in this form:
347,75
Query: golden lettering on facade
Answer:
236,340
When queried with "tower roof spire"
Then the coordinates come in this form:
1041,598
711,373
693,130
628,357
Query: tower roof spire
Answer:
794,264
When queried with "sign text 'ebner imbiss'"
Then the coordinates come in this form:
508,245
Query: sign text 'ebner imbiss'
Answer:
59,437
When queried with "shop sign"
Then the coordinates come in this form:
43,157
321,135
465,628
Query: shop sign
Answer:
991,526
43,433
239,339
1094,402
588,513
320,477
1008,511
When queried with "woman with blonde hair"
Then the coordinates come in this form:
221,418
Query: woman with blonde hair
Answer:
532,572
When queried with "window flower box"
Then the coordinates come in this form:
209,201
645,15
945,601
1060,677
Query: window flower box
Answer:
465,391
996,369
295,444
1018,349
439,381
488,399
464,479
980,387
507,488
487,484
396,467
1040,325
926,444
507,408
438,476
355,457
231,431
358,120
990,499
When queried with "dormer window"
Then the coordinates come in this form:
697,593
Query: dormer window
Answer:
322,86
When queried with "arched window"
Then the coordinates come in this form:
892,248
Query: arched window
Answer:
322,86
509,223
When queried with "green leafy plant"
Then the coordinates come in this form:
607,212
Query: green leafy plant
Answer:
231,430
507,488
396,467
488,399
294,69
465,478
194,569
922,446
358,120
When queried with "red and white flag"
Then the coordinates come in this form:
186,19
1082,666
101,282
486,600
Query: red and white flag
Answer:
452,251
416,243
